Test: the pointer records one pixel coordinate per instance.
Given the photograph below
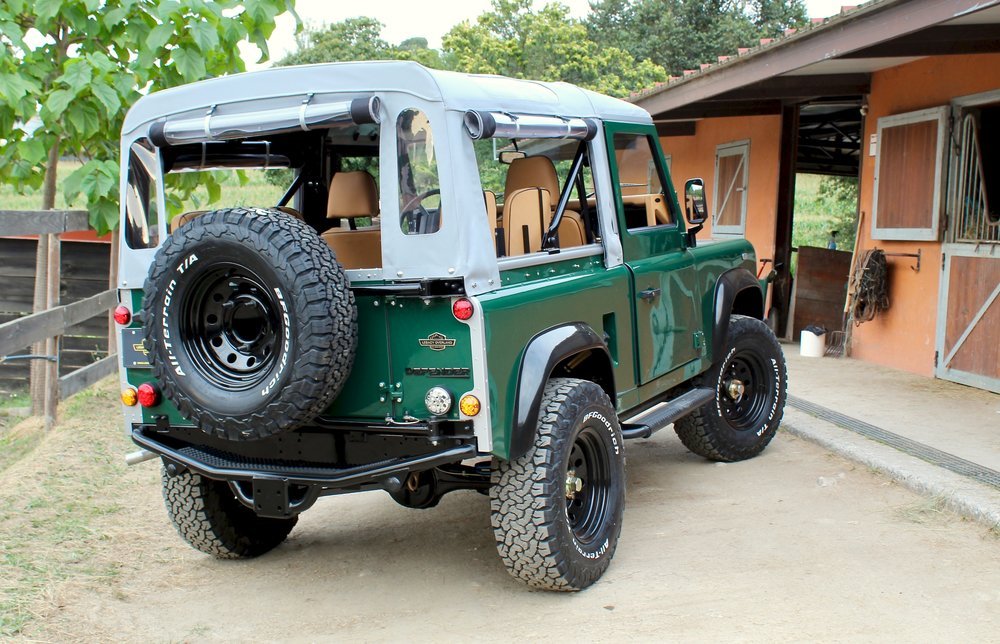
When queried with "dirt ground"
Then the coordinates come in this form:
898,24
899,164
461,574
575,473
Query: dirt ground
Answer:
796,544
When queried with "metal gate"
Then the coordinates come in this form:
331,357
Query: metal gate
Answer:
968,330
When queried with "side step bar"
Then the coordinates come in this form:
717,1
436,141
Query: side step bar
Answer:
674,410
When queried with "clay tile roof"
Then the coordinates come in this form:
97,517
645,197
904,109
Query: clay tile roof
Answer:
723,59
766,41
742,50
688,72
789,32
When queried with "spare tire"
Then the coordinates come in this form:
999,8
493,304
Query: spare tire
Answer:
249,323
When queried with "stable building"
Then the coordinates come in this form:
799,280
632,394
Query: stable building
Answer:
904,95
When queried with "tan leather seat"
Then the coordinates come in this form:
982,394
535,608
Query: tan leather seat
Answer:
532,172
571,230
527,214
539,172
353,195
490,198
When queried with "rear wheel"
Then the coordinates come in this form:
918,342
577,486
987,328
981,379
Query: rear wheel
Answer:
212,520
750,388
557,510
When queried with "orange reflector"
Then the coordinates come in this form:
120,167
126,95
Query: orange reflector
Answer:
130,397
469,405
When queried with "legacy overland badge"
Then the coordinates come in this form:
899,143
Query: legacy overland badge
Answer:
437,342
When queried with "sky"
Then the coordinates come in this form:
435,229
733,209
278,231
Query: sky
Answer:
432,21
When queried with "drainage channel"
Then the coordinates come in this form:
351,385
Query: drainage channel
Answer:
907,446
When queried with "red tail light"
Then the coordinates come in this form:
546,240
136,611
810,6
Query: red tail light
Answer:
149,395
462,309
122,315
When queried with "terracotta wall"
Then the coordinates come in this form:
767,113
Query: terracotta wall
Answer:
904,338
694,156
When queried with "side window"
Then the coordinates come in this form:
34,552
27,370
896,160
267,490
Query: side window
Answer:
640,182
141,211
419,187
732,161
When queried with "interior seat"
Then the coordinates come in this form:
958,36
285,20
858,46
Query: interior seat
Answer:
539,172
354,194
490,198
527,214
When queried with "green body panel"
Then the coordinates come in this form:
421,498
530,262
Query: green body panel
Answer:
389,333
514,314
655,344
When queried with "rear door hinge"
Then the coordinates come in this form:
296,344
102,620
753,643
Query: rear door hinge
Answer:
699,342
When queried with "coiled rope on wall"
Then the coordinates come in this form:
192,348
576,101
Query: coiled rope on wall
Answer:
869,287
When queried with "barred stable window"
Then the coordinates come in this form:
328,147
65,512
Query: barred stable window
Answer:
909,175
975,207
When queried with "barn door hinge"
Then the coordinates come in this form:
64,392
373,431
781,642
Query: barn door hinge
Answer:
943,256
936,354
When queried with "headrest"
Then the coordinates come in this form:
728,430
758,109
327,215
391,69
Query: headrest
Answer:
352,194
533,172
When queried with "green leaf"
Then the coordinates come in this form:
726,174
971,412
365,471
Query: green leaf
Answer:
114,16
108,97
204,35
47,9
160,36
189,63
103,215
92,5
58,101
100,61
84,119
77,75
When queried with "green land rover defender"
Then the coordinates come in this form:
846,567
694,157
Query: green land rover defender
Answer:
470,282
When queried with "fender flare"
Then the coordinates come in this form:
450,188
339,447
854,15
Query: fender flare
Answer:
728,287
542,354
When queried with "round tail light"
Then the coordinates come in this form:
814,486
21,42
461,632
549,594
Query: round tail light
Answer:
122,315
462,309
129,397
469,405
149,395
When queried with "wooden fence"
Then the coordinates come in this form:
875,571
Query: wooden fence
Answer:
76,327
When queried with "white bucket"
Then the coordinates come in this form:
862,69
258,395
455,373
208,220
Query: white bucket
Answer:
812,345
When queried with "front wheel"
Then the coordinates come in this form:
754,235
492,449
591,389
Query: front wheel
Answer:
750,385
557,510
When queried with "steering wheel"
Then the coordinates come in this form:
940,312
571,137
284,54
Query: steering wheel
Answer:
416,202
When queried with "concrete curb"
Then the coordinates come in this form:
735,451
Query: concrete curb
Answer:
968,498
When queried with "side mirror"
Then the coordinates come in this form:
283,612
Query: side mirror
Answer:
695,206
507,157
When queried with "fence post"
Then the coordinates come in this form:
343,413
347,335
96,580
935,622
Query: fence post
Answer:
54,279
113,284
38,368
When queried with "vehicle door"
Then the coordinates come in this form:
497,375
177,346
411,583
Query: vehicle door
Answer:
667,318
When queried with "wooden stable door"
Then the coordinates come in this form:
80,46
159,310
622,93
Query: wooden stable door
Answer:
969,318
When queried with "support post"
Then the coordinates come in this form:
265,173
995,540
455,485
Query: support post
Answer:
782,287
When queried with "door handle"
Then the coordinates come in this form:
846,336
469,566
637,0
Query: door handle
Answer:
649,294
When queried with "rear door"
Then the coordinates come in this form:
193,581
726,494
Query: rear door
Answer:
667,319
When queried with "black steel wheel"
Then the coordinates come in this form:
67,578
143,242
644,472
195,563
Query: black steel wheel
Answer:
231,327
249,322
750,384
557,510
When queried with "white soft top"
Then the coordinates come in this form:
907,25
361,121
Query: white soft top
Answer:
456,91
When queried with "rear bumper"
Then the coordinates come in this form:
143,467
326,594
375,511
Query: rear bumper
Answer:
217,464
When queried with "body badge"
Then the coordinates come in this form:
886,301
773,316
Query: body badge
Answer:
437,342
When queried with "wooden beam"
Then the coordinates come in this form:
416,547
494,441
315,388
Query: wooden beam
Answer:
721,109
42,222
875,23
676,128
943,40
781,288
18,334
800,87
82,378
